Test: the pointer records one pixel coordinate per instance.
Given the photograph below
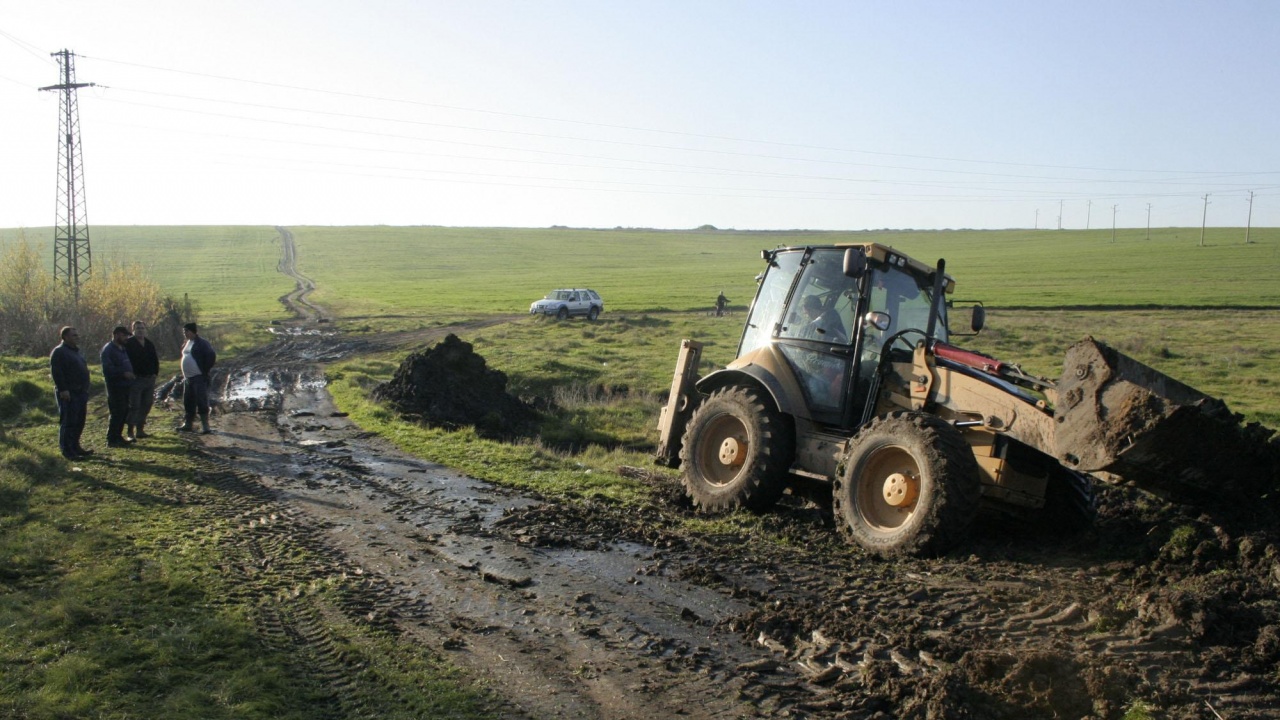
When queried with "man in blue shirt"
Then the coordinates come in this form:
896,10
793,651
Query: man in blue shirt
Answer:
117,371
71,382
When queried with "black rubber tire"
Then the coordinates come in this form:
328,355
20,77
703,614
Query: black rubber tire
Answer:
914,454
742,425
593,313
562,313
1070,503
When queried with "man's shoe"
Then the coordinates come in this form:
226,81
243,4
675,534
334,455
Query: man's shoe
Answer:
204,427
118,443
142,435
185,427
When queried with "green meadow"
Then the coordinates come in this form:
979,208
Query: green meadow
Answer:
1203,311
389,276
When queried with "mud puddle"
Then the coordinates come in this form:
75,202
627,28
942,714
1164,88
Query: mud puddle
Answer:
568,631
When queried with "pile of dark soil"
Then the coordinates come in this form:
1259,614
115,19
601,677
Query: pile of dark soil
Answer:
451,386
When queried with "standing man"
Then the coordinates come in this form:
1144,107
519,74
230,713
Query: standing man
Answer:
71,381
721,301
146,366
117,371
198,358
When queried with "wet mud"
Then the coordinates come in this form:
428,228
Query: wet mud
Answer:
584,609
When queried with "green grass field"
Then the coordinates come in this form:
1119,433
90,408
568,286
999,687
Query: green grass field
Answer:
1211,309
398,274
230,272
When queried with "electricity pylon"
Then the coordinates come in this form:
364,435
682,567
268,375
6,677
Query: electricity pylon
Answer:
71,258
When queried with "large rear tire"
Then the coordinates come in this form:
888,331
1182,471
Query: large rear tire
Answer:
736,452
909,485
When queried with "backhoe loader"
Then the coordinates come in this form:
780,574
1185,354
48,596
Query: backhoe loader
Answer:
846,379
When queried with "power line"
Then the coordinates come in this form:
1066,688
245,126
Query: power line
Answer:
706,136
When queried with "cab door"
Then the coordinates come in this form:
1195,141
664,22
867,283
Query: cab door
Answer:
817,332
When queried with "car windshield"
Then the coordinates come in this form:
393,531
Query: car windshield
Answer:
558,295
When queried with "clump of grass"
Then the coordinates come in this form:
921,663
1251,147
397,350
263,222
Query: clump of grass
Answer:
1139,710
1182,542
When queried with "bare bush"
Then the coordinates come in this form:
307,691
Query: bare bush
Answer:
33,306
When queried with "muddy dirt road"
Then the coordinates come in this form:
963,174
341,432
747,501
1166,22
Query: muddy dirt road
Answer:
585,610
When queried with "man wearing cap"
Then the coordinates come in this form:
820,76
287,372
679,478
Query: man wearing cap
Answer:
71,381
117,371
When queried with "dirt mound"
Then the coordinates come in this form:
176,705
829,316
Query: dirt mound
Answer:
451,386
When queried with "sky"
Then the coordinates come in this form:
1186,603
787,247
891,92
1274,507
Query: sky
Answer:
744,114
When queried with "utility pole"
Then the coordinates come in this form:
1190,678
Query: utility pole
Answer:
1037,219
1249,225
1203,218
1113,222
1088,214
1059,214
71,258
1148,221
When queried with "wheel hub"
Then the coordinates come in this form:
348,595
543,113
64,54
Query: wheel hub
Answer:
899,489
732,452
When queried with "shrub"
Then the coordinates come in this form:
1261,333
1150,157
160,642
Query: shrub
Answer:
33,306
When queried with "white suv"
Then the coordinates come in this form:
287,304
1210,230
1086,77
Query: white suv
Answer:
564,303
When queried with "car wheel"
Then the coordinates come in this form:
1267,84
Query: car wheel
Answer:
909,485
736,452
562,313
593,313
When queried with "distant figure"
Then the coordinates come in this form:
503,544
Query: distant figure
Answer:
146,366
198,358
721,302
117,371
71,382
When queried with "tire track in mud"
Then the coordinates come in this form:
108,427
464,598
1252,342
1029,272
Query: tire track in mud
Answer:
1028,634
310,604
566,631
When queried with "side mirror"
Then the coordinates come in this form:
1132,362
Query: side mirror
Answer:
878,320
979,319
855,262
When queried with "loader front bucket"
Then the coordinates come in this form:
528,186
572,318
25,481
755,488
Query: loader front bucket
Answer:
1120,416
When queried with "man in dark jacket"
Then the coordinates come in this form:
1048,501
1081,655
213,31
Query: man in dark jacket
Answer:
117,371
71,382
146,366
198,358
